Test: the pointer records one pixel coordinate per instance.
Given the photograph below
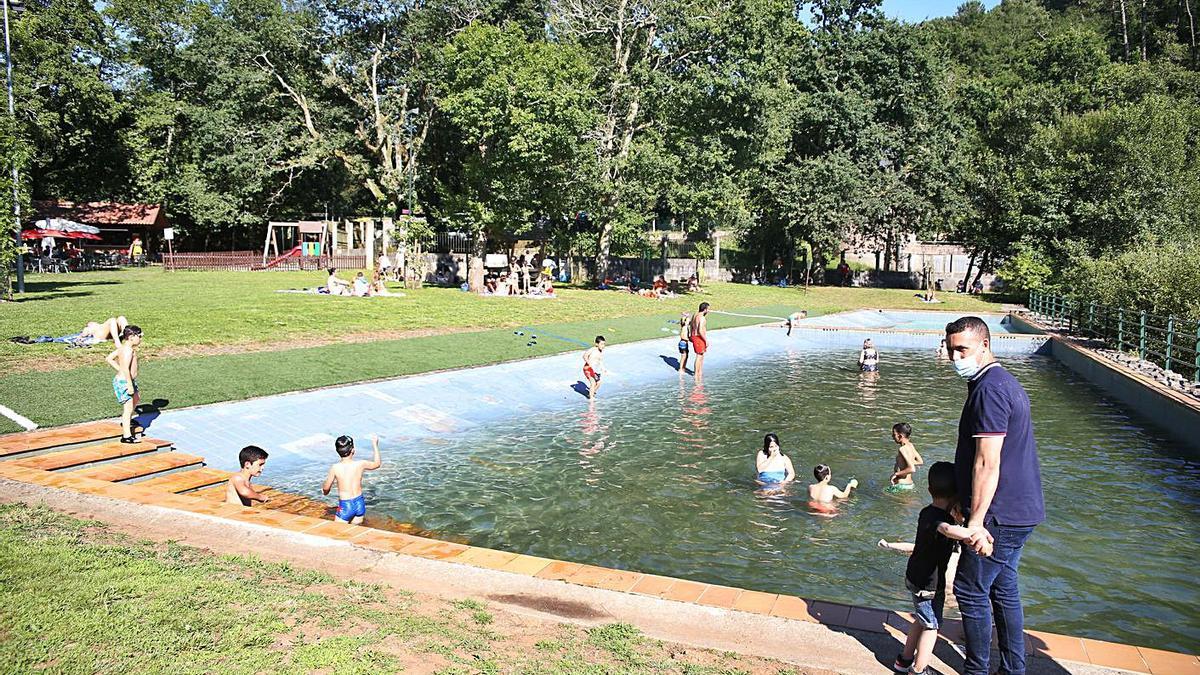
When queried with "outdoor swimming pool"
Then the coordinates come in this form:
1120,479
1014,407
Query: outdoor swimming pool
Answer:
907,320
657,475
658,478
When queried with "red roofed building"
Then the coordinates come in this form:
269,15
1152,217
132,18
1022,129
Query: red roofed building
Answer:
118,223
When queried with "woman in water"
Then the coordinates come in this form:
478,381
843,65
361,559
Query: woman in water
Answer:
773,466
868,358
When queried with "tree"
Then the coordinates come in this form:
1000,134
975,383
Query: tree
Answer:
519,112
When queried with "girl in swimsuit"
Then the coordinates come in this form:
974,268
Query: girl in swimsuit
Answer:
773,466
868,358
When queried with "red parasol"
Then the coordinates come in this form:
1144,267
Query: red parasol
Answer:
40,233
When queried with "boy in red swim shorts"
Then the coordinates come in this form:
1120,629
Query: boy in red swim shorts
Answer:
593,366
699,338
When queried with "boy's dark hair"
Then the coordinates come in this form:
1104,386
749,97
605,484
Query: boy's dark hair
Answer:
972,324
821,472
942,483
250,454
130,331
903,428
344,446
703,306
331,270
600,338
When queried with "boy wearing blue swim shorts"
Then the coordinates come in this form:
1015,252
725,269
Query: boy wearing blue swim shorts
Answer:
348,474
925,576
125,361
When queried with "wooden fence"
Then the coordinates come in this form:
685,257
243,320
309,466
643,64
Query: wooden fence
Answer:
243,261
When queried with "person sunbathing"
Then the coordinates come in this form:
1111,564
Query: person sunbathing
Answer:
92,334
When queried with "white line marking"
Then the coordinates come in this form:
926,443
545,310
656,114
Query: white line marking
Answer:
25,422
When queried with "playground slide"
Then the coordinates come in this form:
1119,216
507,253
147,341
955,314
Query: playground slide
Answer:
290,254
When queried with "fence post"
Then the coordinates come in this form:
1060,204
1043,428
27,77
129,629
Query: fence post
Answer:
1170,339
1091,318
1196,372
1070,315
1121,329
1142,337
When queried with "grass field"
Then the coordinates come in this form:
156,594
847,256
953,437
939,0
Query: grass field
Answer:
220,336
78,598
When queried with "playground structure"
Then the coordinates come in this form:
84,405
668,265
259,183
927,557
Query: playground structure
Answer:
363,235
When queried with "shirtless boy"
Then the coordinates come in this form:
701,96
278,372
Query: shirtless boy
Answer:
348,474
698,333
593,366
822,491
238,490
907,457
124,360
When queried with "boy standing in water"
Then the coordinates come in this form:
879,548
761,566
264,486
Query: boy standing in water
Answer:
907,457
684,352
925,576
348,474
124,360
822,491
698,334
238,490
593,366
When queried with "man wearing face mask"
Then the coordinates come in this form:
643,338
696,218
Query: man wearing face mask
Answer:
1000,489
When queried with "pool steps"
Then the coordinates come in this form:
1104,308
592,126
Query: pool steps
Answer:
84,458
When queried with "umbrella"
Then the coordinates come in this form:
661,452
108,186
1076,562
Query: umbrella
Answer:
64,225
38,234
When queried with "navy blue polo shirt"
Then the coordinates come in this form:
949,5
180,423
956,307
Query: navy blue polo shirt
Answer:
997,405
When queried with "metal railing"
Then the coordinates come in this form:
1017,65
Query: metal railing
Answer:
1168,341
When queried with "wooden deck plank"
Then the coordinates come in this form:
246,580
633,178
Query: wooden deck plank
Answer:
185,480
14,444
140,466
92,453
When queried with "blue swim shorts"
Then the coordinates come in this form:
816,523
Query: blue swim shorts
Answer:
349,509
123,391
683,346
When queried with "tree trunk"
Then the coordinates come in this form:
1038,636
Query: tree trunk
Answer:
1187,5
1143,26
475,270
967,276
1124,31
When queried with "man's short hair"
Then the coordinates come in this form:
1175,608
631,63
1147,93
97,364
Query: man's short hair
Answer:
703,306
942,482
129,331
820,472
344,445
903,428
970,324
251,454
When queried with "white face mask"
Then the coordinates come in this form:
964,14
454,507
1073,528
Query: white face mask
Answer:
967,366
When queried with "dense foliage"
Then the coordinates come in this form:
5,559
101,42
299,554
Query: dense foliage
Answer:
1054,139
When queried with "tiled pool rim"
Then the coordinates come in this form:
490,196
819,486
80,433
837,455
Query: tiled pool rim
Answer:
833,615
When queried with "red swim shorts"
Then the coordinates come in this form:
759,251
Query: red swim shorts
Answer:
699,345
590,374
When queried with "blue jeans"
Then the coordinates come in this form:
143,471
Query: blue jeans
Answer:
986,588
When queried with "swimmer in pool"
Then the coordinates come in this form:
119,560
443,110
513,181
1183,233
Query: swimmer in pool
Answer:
907,457
593,366
822,491
238,490
794,319
774,467
868,358
943,354
698,334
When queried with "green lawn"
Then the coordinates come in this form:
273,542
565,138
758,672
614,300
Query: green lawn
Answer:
77,598
220,336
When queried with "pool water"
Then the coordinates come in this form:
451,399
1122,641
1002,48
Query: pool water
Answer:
878,319
659,479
